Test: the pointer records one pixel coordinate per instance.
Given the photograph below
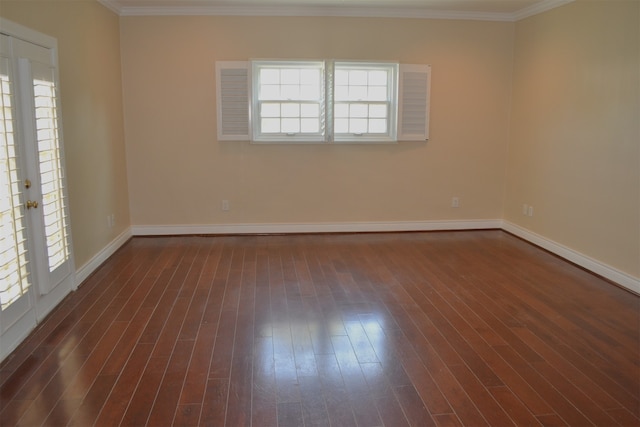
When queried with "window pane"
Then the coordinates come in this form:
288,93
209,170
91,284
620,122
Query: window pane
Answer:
341,77
290,110
378,110
341,125
290,125
270,92
358,110
357,93
290,91
309,93
310,110
378,78
341,110
377,126
310,77
310,125
269,76
270,125
358,125
270,110
290,76
377,93
341,93
358,77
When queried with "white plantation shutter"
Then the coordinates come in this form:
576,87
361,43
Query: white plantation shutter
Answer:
54,207
413,102
14,277
232,86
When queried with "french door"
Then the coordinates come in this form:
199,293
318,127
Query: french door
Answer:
36,262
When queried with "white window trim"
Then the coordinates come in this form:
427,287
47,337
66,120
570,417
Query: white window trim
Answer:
413,106
390,137
260,137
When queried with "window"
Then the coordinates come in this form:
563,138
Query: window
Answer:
364,101
288,101
322,101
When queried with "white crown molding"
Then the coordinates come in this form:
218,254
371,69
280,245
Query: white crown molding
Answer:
111,6
361,12
355,12
539,8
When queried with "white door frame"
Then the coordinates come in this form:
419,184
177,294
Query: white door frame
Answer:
43,302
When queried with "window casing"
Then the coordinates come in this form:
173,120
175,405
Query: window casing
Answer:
364,102
288,101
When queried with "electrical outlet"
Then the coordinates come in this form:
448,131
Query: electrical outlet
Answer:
530,211
225,205
455,202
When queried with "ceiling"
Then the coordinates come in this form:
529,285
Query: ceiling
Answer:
505,10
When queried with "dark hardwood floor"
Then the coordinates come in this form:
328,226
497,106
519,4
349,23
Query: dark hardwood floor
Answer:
448,328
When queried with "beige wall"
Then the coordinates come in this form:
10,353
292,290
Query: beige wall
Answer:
567,136
92,120
574,150
179,173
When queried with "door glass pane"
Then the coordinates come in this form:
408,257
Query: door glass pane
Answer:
51,180
14,278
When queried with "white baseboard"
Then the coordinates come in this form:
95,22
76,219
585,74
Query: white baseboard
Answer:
85,271
604,270
51,300
621,278
348,227
595,266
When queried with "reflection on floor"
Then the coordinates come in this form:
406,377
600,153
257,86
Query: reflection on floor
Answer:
448,328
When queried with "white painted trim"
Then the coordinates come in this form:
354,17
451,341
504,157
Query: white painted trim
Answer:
58,294
348,227
110,5
14,337
539,8
92,265
27,34
359,12
595,266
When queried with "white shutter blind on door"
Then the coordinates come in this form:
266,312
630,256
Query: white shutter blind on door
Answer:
232,85
14,278
50,164
413,103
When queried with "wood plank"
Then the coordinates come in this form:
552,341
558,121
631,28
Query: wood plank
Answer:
443,329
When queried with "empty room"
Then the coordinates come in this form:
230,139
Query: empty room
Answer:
320,212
